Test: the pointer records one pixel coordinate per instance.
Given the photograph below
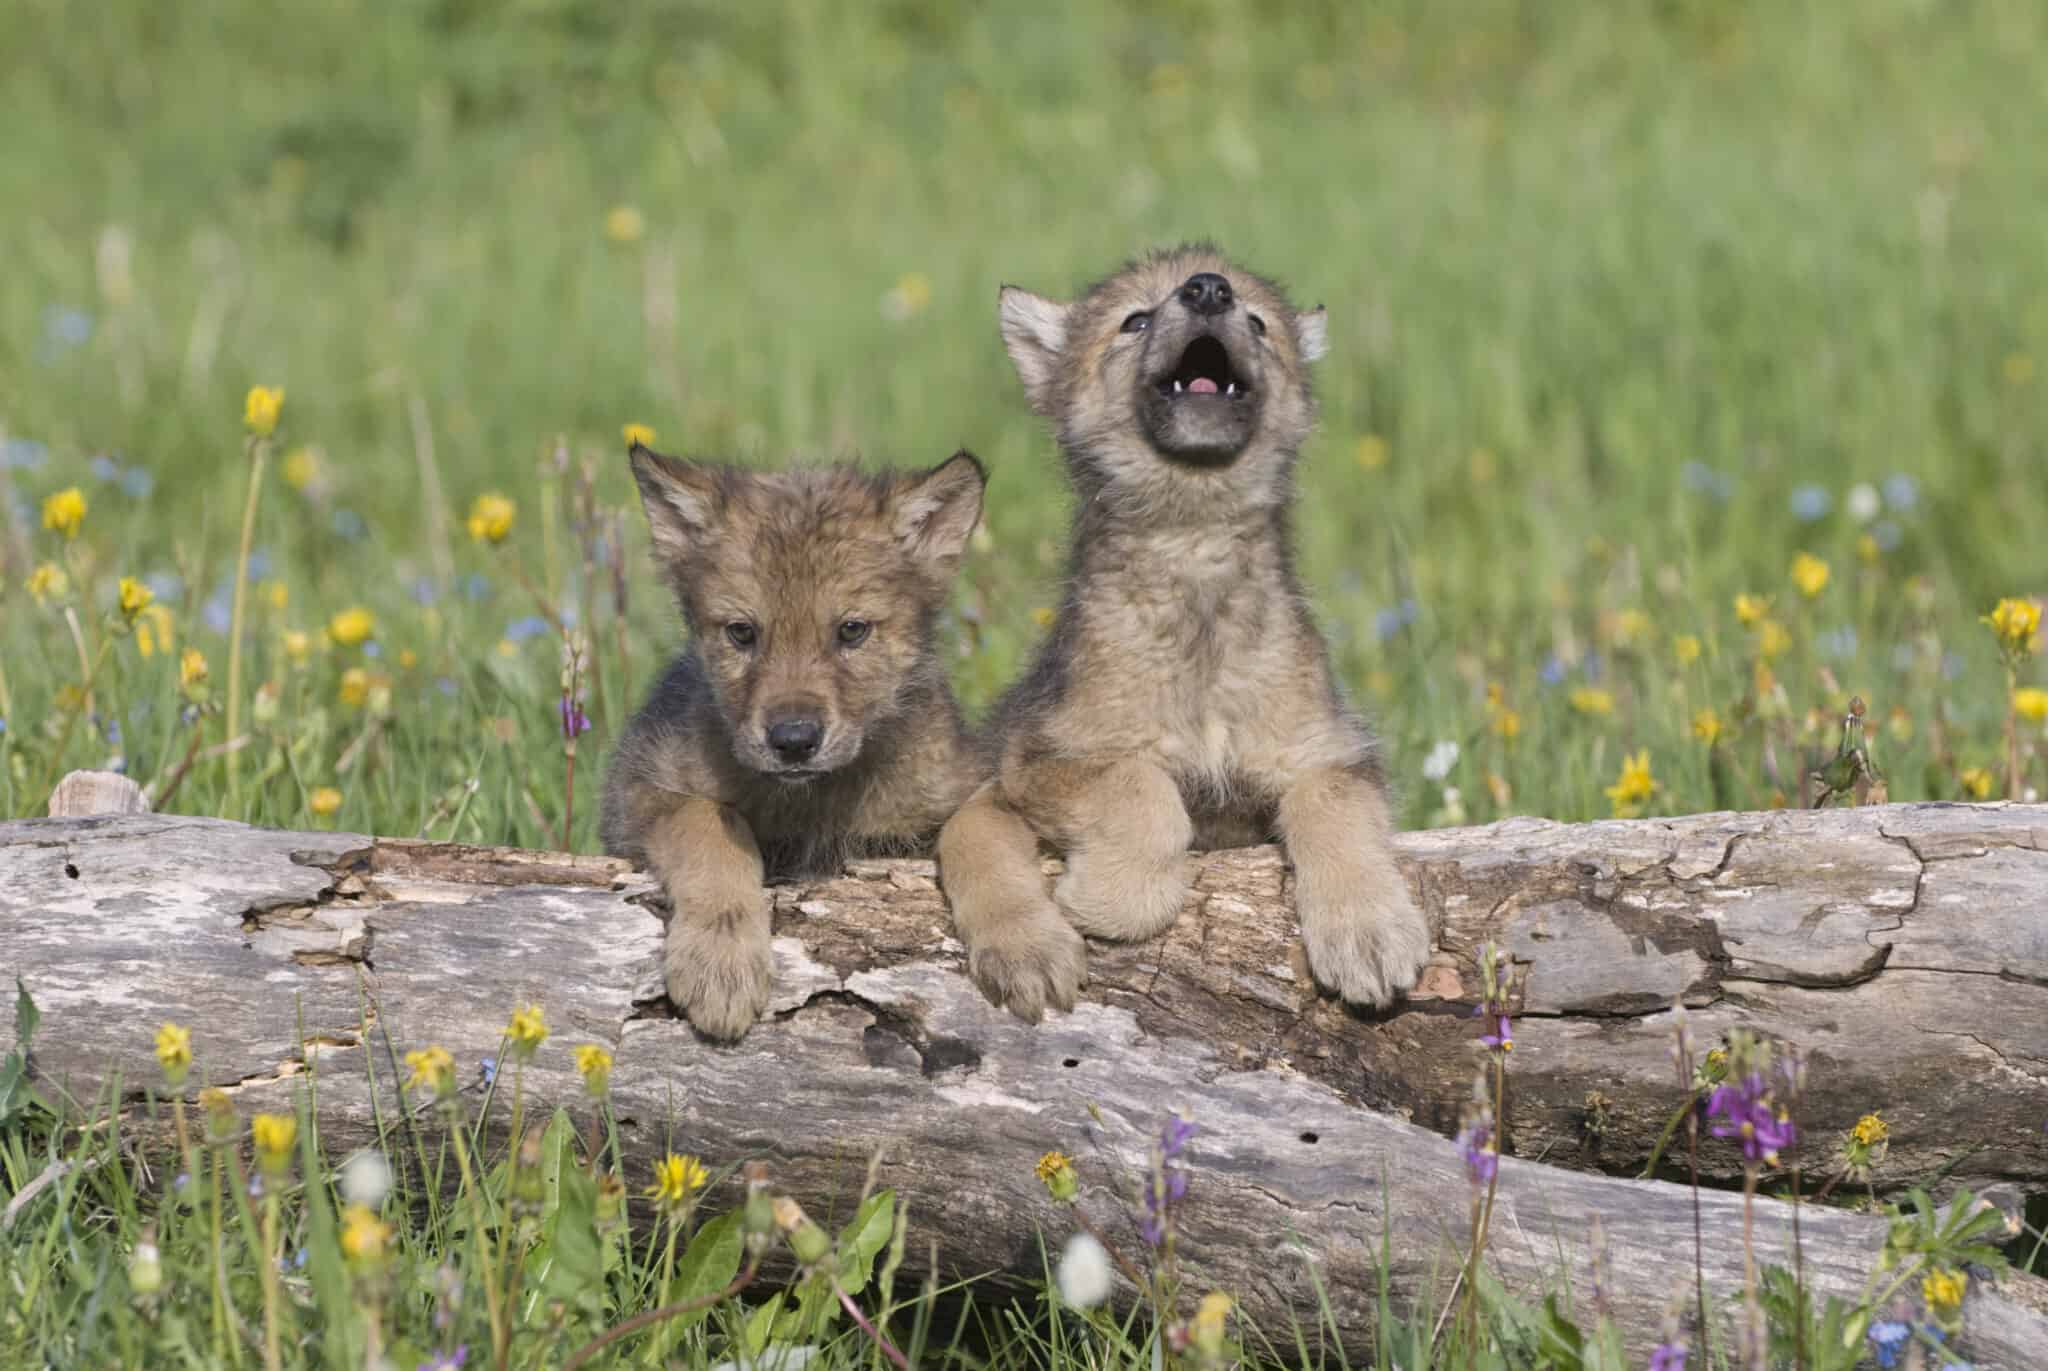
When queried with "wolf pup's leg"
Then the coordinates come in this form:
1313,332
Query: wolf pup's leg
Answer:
717,962
1366,940
1125,834
1022,954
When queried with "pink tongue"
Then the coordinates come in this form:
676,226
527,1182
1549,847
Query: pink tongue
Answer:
1201,385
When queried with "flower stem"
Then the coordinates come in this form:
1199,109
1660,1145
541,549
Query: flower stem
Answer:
500,1335
259,452
874,1333
273,1344
628,1327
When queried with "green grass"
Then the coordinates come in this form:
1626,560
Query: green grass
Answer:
1607,285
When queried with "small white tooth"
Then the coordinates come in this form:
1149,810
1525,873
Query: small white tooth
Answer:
1176,387
1230,389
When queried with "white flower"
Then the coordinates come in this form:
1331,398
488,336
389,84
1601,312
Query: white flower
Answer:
1440,760
1864,503
366,1179
1083,1275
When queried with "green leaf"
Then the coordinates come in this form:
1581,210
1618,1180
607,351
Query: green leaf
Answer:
325,1267
761,1322
707,1265
26,1017
863,1239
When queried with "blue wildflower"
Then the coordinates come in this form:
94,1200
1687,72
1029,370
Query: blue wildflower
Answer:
1593,666
1837,642
105,468
477,587
137,483
532,626
489,1067
1554,669
165,585
67,326
259,563
1811,502
1901,492
218,612
424,591
373,649
1703,479
1888,1337
22,454
445,684
349,524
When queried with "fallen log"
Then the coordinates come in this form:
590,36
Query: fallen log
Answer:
1905,948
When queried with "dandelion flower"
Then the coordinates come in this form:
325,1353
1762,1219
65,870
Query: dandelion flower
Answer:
1372,452
1686,648
1810,574
1632,626
192,668
174,1053
274,1135
46,581
1503,719
2015,623
364,1236
352,626
323,800
676,1178
2031,703
65,511
1592,700
366,1178
297,645
1943,1291
1773,639
1633,789
1206,1328
1083,1275
1442,759
638,435
1976,781
261,410
1056,1172
1750,609
528,1030
433,1068
908,298
277,595
594,1064
355,687
624,224
301,468
134,597
1042,616
490,518
1706,726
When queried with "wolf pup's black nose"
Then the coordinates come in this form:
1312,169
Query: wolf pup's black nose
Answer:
795,739
1206,293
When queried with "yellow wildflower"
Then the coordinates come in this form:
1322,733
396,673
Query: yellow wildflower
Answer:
135,597
301,468
407,659
2030,702
352,626
1043,616
432,1067
1867,548
65,511
174,1053
192,668
1870,1130
1751,608
364,1236
274,1135
47,580
1205,1331
1686,648
1976,782
1501,717
676,1179
624,224
595,1066
323,800
1592,700
1773,639
490,518
296,645
638,435
1943,1291
1372,452
1056,1173
261,409
1633,789
355,687
1631,626
2016,624
277,595
908,298
528,1030
1810,574
1706,726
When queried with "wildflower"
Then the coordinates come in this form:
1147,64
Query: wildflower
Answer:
490,518
1372,452
1811,502
1706,726
433,1068
219,1108
638,435
1441,759
528,1030
908,298
46,581
1868,548
1888,1338
1083,1275
145,1265
1043,616
624,224
1747,1111
1976,782
407,659
1592,700
351,626
174,1053
366,1178
675,1180
1810,574
1668,1356
261,409
134,597
2030,702
301,468
364,1236
594,1064
2015,623
65,511
1864,503
192,669
323,800
1633,789
1750,609
1056,1172
1206,1329
297,645
1168,1183
1503,719
274,1135
1500,1030
575,723
276,594
1943,1291
355,687
1477,1146
1631,626
1686,648
1865,1147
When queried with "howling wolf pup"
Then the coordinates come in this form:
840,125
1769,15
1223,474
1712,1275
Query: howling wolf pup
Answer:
808,718
1184,697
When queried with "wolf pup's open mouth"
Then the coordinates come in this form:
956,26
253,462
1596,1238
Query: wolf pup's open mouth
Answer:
1204,370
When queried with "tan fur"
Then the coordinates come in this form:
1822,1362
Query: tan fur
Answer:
697,789
1184,694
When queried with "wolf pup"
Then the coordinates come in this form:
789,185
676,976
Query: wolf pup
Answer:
1183,696
808,718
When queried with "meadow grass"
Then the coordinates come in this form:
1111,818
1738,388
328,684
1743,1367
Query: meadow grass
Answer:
1631,306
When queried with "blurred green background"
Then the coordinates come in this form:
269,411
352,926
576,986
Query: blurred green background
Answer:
1631,304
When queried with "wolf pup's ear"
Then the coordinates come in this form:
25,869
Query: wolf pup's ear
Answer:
1035,333
936,511
1312,333
680,498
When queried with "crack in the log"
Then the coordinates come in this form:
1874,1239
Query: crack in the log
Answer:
2038,1077
936,1052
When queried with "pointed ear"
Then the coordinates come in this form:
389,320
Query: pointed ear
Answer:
681,499
936,511
1312,333
1035,333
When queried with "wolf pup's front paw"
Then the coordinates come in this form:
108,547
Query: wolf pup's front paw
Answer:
1027,960
1368,943
718,969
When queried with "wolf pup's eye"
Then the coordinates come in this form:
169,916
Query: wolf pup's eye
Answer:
854,632
1258,324
740,633
1139,322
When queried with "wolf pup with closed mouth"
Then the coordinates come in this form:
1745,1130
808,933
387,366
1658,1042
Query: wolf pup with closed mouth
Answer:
1184,696
808,719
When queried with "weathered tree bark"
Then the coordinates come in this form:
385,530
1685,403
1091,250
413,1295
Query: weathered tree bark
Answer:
1905,948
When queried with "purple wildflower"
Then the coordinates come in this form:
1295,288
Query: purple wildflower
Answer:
1500,1034
1668,1356
1168,1184
1476,1145
1174,1136
575,723
1747,1112
451,1361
